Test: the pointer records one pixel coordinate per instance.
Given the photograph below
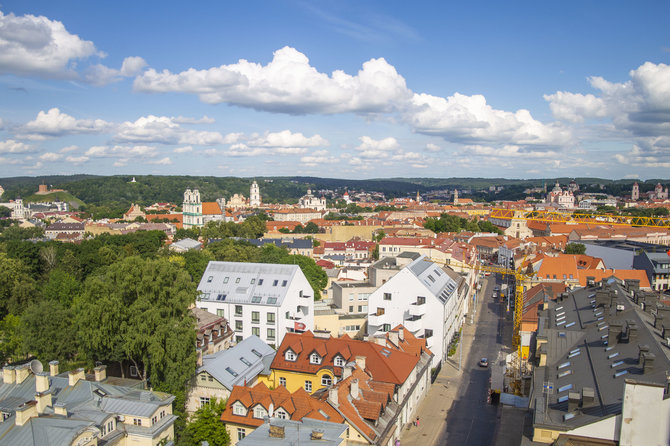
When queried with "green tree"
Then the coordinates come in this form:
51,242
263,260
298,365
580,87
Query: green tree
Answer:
206,425
49,332
61,286
311,228
11,342
17,287
575,248
5,212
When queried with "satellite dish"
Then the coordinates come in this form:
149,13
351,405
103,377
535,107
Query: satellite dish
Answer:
36,366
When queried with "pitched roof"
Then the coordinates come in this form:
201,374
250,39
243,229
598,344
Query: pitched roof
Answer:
622,274
211,208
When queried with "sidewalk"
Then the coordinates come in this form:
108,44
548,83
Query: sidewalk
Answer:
435,406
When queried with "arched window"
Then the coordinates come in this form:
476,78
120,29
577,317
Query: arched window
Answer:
326,380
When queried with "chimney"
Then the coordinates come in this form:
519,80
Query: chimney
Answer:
614,333
354,389
360,362
276,431
8,374
53,368
333,396
393,337
43,401
60,409
648,362
602,298
633,284
22,372
588,397
641,350
75,375
25,412
658,320
100,373
401,333
573,401
317,434
590,281
632,331
346,372
41,382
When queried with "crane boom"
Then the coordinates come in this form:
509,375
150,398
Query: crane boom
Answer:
585,218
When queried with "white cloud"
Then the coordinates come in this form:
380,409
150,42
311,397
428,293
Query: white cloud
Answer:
77,159
433,147
35,45
124,152
55,123
575,107
7,161
165,130
51,156
185,149
38,165
284,142
69,149
163,161
102,75
12,146
318,157
377,149
187,120
121,163
508,151
288,84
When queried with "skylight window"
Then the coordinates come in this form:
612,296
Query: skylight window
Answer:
564,388
572,355
256,299
621,373
613,355
260,281
272,300
564,365
386,352
225,279
563,399
565,373
568,416
221,297
617,364
432,279
275,282
605,337
559,308
437,272
603,327
245,361
256,352
209,279
231,371
284,282
560,322
570,324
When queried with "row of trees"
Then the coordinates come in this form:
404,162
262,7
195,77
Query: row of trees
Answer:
451,223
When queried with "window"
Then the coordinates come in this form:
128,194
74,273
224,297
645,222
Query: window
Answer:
256,331
363,296
387,296
245,361
326,380
239,409
274,283
256,352
220,313
133,371
282,381
431,278
203,377
237,280
137,421
351,308
386,327
110,426
308,386
420,300
253,281
351,297
260,412
238,325
256,299
300,293
204,401
154,420
221,296
241,433
380,311
281,414
238,339
339,361
314,358
289,356
271,334
231,371
255,317
260,281
238,310
284,282
225,279
360,308
272,300
209,279
271,318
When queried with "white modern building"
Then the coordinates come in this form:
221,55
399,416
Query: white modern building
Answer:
428,300
261,299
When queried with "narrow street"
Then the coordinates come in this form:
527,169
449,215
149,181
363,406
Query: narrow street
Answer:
456,410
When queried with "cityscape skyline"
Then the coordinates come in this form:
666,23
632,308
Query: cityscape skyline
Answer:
372,90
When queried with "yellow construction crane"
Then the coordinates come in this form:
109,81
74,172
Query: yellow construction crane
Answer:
587,218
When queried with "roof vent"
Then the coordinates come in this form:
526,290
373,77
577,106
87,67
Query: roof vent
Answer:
317,434
573,401
588,397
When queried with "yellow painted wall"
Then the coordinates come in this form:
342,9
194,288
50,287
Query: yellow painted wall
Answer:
335,325
296,380
545,435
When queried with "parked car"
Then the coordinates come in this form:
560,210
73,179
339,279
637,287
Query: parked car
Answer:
484,362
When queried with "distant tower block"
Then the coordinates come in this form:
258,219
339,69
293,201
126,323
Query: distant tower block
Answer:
635,193
254,195
455,196
192,209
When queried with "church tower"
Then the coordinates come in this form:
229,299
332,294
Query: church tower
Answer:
455,196
192,209
635,193
254,195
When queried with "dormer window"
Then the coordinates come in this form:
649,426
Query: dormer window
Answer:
314,358
281,413
239,409
289,355
339,361
260,412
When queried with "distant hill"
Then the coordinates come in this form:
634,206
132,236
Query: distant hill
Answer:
64,196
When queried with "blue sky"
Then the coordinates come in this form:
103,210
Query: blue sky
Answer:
343,89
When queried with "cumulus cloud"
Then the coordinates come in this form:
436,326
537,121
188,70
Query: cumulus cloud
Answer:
433,147
284,142
288,84
38,165
377,149
12,146
163,161
35,45
318,157
508,151
77,159
69,149
639,106
122,151
102,75
8,161
184,149
51,156
165,130
55,123
648,152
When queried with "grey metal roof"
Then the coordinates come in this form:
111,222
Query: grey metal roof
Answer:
435,278
296,432
48,430
186,244
239,364
239,282
580,355
289,243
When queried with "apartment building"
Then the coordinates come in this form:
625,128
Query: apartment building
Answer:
260,299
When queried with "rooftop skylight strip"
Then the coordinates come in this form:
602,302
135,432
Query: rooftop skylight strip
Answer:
572,355
617,364
613,355
559,308
603,327
560,323
565,373
568,416
563,399
564,388
609,348
570,324
621,373
564,365
604,336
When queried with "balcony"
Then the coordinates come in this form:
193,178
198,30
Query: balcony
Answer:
376,320
417,309
413,323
